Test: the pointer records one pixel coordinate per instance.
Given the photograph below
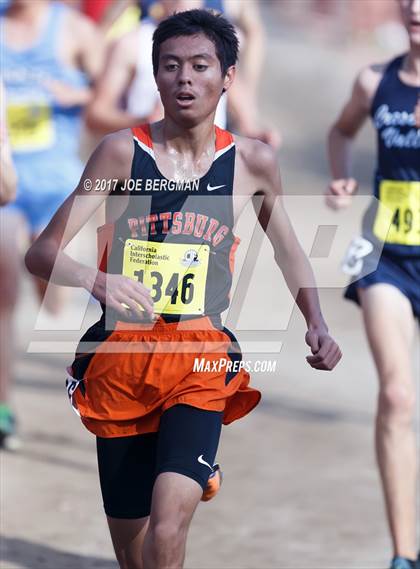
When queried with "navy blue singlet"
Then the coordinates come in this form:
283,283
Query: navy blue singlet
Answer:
392,223
176,237
398,162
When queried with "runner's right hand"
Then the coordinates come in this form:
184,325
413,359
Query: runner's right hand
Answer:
116,290
340,192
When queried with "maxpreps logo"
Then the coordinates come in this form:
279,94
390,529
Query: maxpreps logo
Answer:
160,185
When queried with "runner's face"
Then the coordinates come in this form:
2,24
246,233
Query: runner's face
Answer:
410,11
190,79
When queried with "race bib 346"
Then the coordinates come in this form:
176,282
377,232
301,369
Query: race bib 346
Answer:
176,273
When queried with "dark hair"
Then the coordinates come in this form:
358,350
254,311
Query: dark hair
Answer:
214,26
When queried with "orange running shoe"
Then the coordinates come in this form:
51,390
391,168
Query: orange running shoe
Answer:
213,484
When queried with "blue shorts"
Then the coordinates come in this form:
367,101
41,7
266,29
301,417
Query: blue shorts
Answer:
401,272
36,209
44,182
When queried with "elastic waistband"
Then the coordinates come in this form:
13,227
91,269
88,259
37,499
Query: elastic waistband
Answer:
173,323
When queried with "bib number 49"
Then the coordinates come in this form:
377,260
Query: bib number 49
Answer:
398,216
402,220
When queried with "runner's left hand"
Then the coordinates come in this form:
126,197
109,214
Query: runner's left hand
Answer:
325,351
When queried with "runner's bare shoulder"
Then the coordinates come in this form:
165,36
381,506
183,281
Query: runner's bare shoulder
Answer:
118,150
125,49
111,160
80,37
79,25
129,41
258,162
367,82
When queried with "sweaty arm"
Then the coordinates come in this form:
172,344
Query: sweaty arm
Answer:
290,257
46,258
351,118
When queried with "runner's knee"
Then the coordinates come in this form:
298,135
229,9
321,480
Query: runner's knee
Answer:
168,534
397,401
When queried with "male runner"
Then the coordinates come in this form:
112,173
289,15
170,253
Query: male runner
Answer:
390,295
166,260
48,54
126,93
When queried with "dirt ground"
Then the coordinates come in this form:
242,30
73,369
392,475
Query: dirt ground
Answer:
301,489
